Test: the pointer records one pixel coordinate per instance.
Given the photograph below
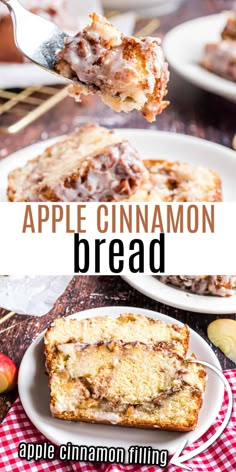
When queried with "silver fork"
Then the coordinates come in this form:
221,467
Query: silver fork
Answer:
38,39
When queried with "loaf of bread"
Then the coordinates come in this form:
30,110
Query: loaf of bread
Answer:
130,371
127,73
218,285
96,164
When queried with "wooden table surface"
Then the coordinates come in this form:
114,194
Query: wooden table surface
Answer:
193,112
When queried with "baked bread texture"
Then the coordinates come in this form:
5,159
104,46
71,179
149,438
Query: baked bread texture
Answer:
219,285
91,164
129,371
127,73
96,164
128,384
229,31
181,182
127,327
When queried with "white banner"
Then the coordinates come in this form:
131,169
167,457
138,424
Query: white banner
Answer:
108,238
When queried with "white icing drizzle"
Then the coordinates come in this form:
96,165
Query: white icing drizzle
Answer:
112,418
218,285
122,69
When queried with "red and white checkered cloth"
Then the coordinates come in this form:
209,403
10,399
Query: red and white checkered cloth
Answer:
219,457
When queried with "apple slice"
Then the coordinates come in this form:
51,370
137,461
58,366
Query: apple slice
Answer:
222,333
8,373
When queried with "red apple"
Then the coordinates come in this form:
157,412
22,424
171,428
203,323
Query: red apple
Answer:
8,373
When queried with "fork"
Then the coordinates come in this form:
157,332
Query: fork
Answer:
38,39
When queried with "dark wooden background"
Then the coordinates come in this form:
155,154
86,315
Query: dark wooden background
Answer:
193,112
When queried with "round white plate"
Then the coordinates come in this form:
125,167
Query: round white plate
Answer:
184,46
34,394
151,145
153,288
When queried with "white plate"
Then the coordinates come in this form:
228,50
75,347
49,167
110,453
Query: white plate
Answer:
26,75
144,7
153,288
151,145
34,394
184,46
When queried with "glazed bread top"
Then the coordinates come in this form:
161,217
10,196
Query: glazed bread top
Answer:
218,285
220,58
126,72
91,164
96,164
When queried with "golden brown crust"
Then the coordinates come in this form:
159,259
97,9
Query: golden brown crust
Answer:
167,426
